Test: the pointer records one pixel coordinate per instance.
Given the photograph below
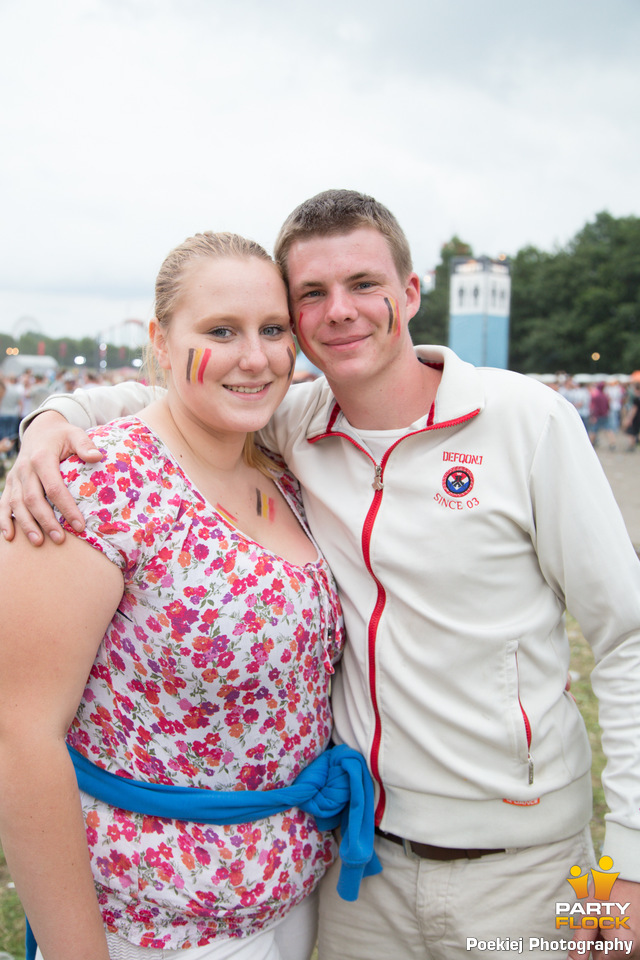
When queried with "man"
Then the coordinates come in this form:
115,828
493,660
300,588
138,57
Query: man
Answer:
461,510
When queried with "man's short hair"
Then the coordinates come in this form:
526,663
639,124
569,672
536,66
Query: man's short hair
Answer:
341,211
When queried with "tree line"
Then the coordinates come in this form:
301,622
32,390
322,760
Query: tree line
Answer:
65,349
567,307
579,301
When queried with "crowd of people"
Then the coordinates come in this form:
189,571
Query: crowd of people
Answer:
462,511
21,393
609,409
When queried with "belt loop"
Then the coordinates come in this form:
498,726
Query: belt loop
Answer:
406,846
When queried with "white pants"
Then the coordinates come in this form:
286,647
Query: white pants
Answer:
293,938
425,910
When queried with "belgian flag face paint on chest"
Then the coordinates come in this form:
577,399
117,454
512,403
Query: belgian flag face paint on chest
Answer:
265,506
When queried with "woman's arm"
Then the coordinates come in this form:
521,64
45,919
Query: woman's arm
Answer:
58,603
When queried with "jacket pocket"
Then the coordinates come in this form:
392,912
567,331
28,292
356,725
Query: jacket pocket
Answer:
522,733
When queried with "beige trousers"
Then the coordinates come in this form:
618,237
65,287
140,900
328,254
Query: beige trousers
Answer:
428,910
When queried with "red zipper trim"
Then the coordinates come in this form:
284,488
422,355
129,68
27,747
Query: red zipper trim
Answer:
374,755
527,724
527,727
372,634
381,600
329,432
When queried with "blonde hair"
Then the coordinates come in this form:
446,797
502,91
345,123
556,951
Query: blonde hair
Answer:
169,288
341,211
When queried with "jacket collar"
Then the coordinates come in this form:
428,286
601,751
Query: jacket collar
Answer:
461,391
459,397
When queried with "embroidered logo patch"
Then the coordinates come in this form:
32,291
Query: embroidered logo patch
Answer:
457,482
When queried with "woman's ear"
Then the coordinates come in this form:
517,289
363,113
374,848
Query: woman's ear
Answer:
158,341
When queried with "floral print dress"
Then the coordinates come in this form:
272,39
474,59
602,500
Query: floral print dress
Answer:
214,673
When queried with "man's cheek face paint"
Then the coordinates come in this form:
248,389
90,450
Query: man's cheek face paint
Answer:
196,364
394,317
302,339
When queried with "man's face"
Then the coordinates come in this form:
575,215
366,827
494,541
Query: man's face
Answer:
350,308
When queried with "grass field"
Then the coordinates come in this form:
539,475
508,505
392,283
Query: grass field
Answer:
12,919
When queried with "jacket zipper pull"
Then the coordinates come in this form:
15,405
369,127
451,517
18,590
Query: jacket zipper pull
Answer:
530,758
377,480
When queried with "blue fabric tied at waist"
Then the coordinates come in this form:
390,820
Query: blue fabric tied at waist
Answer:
336,788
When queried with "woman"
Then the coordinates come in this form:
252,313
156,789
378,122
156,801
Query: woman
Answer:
197,604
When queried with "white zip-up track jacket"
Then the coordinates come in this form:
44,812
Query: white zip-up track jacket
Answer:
456,557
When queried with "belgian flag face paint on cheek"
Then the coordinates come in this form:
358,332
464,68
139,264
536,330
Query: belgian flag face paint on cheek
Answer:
394,317
197,363
302,338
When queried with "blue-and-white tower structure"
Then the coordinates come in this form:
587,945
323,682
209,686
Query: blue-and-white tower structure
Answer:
479,304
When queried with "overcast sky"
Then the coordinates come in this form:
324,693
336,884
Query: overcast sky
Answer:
128,125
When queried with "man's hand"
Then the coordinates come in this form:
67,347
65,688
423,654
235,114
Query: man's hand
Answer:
623,891
36,475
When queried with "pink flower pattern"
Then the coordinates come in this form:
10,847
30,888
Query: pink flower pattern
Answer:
214,672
